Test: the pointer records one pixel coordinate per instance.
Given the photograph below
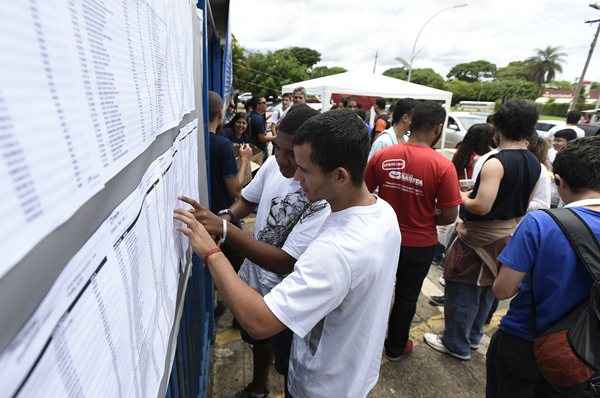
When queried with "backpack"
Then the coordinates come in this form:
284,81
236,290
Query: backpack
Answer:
568,353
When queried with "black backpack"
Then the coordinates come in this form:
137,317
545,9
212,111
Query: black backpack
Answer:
568,353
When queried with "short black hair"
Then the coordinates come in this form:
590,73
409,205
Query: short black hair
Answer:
401,108
295,117
215,105
251,103
380,102
579,164
567,134
573,117
337,138
426,116
288,95
516,119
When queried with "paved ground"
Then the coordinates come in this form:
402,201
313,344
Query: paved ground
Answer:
424,373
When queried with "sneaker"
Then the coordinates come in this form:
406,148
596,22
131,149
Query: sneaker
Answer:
437,301
435,341
442,281
408,348
475,347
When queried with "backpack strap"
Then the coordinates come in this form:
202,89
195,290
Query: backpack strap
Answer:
580,236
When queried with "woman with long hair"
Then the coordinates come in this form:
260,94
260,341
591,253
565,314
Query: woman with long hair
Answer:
237,129
477,142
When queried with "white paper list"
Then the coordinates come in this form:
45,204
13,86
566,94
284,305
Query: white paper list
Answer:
86,87
104,327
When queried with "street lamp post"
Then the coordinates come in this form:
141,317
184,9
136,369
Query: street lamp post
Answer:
587,61
414,47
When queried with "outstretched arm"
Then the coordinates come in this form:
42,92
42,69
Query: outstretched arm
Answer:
247,305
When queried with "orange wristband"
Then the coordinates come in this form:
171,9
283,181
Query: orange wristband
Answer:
212,251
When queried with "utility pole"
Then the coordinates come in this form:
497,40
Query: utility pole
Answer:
587,63
375,63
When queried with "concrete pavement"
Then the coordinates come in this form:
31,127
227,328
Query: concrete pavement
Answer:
423,373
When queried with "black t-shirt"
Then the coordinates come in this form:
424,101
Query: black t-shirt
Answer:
257,125
521,173
222,166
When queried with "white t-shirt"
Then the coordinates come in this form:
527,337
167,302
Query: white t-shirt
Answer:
385,139
284,218
542,192
279,114
337,302
580,132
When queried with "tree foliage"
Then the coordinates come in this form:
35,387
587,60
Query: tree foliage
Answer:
497,90
321,71
425,76
546,63
398,73
263,73
515,70
560,84
305,56
473,71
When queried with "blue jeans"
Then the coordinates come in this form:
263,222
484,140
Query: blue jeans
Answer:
465,312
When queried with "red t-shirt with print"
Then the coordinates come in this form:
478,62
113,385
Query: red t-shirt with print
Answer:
414,180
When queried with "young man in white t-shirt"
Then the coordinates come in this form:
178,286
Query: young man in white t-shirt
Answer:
286,223
401,117
338,298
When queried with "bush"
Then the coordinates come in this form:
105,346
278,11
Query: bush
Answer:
552,108
497,90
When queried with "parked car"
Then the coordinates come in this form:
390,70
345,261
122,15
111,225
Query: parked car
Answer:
457,126
544,126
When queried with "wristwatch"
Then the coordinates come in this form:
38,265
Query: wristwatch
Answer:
225,212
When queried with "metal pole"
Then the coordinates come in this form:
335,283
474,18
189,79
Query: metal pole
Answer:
414,47
375,63
587,63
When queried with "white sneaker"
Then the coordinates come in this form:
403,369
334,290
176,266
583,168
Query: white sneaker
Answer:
442,281
435,341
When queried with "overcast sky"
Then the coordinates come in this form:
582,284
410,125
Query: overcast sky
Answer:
348,32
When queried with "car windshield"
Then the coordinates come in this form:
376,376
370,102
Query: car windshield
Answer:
544,126
468,121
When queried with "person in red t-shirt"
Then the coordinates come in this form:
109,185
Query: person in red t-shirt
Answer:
422,187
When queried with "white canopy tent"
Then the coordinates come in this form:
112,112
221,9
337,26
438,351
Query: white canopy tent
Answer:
368,84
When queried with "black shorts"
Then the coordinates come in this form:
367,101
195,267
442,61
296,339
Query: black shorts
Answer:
281,344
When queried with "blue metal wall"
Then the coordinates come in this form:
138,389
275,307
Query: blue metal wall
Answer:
190,375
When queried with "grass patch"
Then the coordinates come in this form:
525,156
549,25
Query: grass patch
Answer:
550,117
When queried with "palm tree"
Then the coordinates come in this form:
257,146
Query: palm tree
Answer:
546,63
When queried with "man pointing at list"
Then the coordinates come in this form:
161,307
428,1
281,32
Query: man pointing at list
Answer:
337,299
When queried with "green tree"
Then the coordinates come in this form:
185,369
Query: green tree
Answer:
398,73
264,73
515,70
546,63
560,84
305,56
595,85
321,71
428,77
463,91
503,90
425,76
473,71
497,90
